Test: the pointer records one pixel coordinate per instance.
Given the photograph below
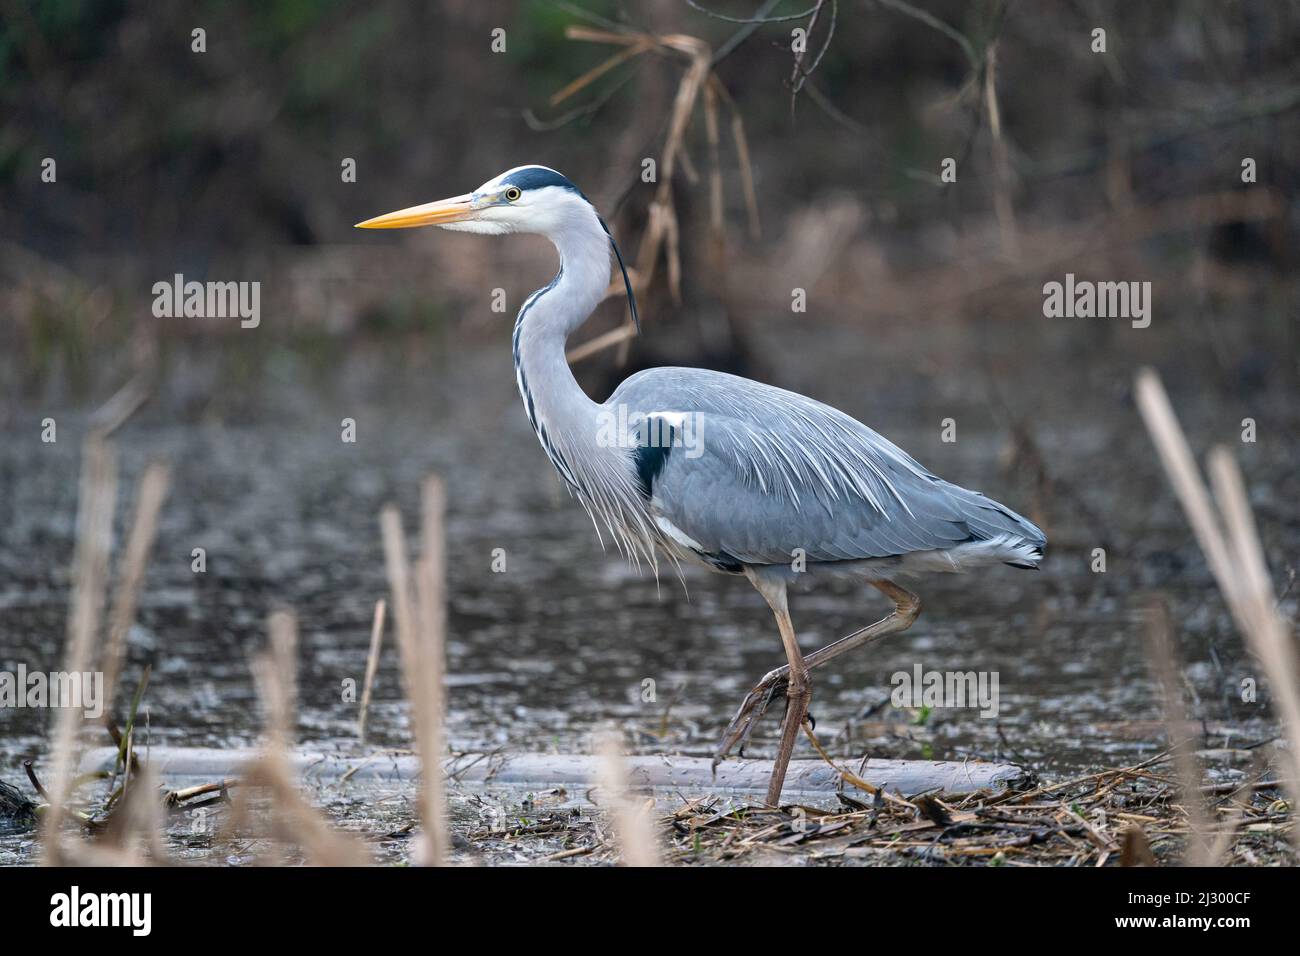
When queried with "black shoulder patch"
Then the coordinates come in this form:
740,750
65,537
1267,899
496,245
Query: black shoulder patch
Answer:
650,461
655,438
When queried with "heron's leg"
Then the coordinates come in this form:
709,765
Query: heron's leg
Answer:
906,608
798,689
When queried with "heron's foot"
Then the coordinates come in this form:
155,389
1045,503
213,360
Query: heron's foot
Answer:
772,687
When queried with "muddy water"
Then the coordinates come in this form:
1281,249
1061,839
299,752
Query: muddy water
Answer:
565,639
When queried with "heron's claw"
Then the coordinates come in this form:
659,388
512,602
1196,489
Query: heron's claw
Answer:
755,705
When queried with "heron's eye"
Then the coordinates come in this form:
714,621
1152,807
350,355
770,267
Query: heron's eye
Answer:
513,193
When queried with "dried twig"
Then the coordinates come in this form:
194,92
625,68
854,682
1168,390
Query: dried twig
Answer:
372,665
153,489
852,778
97,497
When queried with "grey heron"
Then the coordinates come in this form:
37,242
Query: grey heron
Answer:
772,486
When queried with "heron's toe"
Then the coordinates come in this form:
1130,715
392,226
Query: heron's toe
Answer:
752,708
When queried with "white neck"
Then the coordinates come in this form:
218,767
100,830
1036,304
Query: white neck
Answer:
567,422
557,407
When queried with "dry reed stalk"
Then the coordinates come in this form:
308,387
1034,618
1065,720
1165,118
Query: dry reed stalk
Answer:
419,642
683,106
97,498
622,335
279,677
124,403
1002,206
715,160
135,826
597,72
673,251
372,665
294,820
1176,456
1136,848
631,822
153,489
1163,659
662,233
1236,560
431,588
688,168
742,155
174,798
603,341
1270,637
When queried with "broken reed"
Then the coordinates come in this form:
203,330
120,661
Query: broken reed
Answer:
293,819
97,500
419,611
631,821
372,665
153,489
1230,542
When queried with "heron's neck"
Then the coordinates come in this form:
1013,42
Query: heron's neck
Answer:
561,413
568,423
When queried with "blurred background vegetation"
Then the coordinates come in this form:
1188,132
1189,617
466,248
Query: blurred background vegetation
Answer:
226,165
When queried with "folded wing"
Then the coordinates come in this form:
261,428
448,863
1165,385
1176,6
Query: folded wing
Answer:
757,472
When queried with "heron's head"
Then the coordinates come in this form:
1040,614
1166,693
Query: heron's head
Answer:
524,199
532,199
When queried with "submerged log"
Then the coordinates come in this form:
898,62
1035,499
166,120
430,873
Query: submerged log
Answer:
905,777
804,776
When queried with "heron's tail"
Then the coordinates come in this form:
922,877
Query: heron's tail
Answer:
1026,554
997,529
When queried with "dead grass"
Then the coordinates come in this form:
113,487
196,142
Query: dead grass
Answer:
1128,816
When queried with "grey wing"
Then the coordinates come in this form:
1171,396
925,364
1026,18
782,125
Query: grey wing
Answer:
756,472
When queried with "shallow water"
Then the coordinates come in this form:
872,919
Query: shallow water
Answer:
563,641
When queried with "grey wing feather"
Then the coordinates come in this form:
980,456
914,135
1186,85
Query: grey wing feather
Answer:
768,471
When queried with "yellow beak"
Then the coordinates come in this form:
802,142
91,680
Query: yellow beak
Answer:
429,214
